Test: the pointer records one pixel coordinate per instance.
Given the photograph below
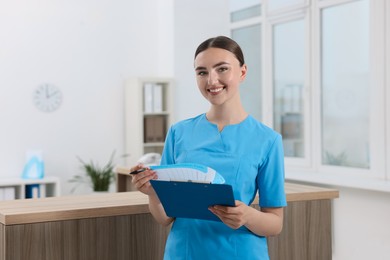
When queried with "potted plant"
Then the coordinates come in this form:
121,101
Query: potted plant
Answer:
99,178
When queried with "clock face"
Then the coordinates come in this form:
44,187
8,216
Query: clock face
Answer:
47,97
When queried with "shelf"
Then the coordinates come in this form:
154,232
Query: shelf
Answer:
18,188
157,114
148,115
153,144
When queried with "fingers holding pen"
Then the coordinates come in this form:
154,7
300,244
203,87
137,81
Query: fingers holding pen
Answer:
141,172
141,177
138,169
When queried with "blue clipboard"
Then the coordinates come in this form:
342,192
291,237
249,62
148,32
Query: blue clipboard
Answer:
191,199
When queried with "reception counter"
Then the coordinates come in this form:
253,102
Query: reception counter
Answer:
118,226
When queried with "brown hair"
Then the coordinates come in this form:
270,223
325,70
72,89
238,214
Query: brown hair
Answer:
222,42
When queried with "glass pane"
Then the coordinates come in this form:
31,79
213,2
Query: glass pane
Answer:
288,82
278,4
345,85
246,13
249,38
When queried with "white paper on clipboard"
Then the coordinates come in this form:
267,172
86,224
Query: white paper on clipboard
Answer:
188,172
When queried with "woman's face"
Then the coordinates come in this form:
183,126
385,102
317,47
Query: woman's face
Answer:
218,75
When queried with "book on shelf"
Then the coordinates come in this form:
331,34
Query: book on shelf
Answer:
157,98
154,129
32,191
7,193
42,190
188,190
153,97
148,97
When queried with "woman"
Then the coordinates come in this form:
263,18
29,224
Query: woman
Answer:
245,152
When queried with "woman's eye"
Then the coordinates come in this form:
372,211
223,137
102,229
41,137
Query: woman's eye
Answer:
222,69
202,73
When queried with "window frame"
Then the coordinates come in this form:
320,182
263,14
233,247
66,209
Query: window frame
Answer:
271,22
376,126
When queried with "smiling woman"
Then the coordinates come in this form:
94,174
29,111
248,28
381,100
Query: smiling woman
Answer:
247,154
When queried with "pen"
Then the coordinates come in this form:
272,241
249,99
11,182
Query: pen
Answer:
138,171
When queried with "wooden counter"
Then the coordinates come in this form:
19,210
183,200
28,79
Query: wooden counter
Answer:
72,207
118,226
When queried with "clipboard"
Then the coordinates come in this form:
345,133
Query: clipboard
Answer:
191,199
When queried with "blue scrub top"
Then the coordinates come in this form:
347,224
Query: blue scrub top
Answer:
249,155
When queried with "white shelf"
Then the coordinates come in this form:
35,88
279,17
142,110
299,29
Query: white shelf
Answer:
48,186
157,114
146,130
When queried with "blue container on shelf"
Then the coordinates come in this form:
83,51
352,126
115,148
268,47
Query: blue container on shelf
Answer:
34,169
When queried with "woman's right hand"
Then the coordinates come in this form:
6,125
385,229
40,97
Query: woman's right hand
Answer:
141,180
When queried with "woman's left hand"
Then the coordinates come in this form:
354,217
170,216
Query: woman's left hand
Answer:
234,217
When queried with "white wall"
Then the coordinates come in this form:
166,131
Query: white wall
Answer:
361,228
87,48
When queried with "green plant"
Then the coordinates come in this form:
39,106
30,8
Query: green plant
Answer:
99,178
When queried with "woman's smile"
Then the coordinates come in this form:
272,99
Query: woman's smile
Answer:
215,91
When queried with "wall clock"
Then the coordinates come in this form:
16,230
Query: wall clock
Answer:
47,97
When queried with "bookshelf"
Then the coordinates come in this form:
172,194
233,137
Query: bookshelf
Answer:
148,115
17,188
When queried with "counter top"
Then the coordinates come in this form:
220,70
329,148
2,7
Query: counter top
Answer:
114,204
72,207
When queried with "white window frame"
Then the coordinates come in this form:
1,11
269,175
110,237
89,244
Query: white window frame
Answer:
376,100
292,14
287,9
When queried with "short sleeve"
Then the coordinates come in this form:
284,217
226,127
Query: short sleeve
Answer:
168,151
271,177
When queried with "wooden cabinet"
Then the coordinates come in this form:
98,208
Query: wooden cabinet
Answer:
148,115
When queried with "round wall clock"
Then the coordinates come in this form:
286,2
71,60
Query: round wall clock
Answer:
47,97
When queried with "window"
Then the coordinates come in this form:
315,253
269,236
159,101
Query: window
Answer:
288,85
345,85
320,81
